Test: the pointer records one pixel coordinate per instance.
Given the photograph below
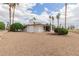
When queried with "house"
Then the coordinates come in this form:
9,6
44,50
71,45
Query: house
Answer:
34,28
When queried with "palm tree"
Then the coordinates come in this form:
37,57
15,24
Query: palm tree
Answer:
11,16
10,13
52,19
53,22
58,17
34,19
65,13
13,7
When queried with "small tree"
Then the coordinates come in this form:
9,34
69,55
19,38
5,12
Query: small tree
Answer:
2,26
51,20
47,27
16,27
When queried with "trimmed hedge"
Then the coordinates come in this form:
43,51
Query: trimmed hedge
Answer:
2,26
61,31
16,27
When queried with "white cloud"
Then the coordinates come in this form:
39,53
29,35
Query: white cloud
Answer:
24,13
72,14
46,9
41,3
21,12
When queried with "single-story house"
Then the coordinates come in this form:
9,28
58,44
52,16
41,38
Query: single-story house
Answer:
34,28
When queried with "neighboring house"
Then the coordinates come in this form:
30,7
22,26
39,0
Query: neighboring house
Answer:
34,28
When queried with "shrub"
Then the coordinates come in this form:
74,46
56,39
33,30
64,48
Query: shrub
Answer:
2,26
56,30
47,27
24,26
16,27
61,31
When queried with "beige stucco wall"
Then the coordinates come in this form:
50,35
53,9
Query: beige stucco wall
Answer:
36,28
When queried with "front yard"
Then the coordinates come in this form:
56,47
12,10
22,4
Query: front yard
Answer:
23,43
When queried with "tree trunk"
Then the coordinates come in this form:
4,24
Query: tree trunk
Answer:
9,17
13,15
51,25
58,22
10,14
65,13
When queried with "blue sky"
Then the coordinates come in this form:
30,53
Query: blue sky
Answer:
39,8
24,13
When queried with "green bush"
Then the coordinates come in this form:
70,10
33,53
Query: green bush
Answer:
47,27
61,31
2,26
16,27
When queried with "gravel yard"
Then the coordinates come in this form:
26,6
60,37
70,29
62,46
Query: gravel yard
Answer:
38,44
